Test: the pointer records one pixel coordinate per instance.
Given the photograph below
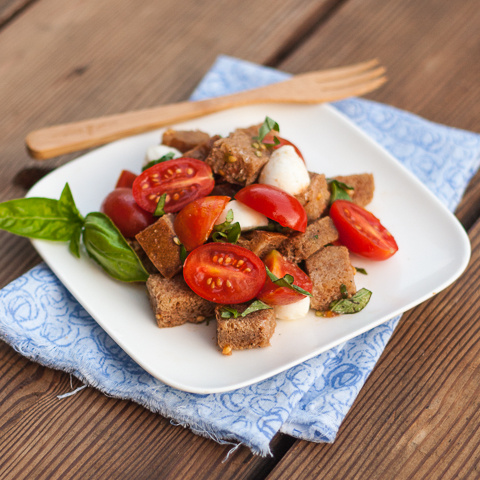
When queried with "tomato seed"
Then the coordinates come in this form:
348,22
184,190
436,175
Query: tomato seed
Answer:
178,170
247,270
167,198
170,171
152,197
228,260
229,284
240,263
144,186
209,281
220,260
176,196
219,282
215,258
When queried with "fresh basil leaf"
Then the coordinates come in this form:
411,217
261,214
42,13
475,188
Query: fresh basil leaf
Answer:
255,306
229,217
168,156
40,218
107,246
340,184
352,305
286,281
343,291
183,253
74,245
226,231
268,125
274,227
229,312
159,211
66,205
361,270
338,191
233,233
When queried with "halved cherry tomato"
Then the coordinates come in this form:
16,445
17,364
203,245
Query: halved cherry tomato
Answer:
279,266
224,273
276,204
124,212
269,139
126,179
195,222
361,232
182,179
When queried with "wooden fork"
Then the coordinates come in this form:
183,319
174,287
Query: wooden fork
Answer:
313,87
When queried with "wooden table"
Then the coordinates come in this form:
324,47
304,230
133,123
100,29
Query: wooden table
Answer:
418,414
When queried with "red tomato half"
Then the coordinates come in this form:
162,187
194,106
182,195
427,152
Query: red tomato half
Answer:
124,212
182,179
269,139
195,222
224,273
276,204
279,266
361,232
126,179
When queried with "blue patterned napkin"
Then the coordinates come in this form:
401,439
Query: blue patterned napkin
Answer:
40,319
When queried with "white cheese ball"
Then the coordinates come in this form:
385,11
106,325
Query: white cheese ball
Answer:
247,217
294,311
286,170
158,151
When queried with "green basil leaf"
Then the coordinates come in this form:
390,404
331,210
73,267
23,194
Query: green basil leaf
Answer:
361,270
74,245
229,312
343,291
233,233
255,306
159,211
352,305
183,253
338,191
340,184
168,156
66,205
227,231
286,281
266,127
39,218
105,244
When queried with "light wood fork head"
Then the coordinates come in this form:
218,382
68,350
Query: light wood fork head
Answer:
314,87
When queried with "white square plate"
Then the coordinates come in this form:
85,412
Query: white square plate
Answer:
433,251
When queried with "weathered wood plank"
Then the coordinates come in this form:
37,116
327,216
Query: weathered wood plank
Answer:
64,61
10,8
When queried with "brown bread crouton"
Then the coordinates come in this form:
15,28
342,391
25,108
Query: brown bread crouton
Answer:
329,269
238,158
315,198
202,151
261,243
184,140
174,303
301,246
254,330
363,185
146,262
158,241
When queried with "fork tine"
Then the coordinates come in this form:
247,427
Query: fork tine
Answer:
352,80
340,72
352,90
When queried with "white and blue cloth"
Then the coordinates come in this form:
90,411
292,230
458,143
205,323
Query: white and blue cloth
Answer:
41,320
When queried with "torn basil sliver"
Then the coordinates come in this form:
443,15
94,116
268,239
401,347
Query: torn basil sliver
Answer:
353,304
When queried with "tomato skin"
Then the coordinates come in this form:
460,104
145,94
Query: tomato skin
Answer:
269,139
279,266
373,241
233,283
124,212
195,222
126,179
182,179
275,204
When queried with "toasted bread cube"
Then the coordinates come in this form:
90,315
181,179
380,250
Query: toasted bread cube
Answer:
252,331
301,246
261,243
202,151
316,197
363,185
237,159
329,269
174,303
158,241
184,140
146,262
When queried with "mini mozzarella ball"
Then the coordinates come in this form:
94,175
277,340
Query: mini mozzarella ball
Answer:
247,217
294,311
286,170
158,151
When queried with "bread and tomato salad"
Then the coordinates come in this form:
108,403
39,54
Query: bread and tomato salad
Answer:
232,228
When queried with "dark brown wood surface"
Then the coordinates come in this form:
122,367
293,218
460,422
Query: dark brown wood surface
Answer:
418,414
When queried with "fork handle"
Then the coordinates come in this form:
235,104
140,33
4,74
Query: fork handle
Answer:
70,137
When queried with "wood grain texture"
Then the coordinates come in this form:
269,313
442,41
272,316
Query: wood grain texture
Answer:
10,8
